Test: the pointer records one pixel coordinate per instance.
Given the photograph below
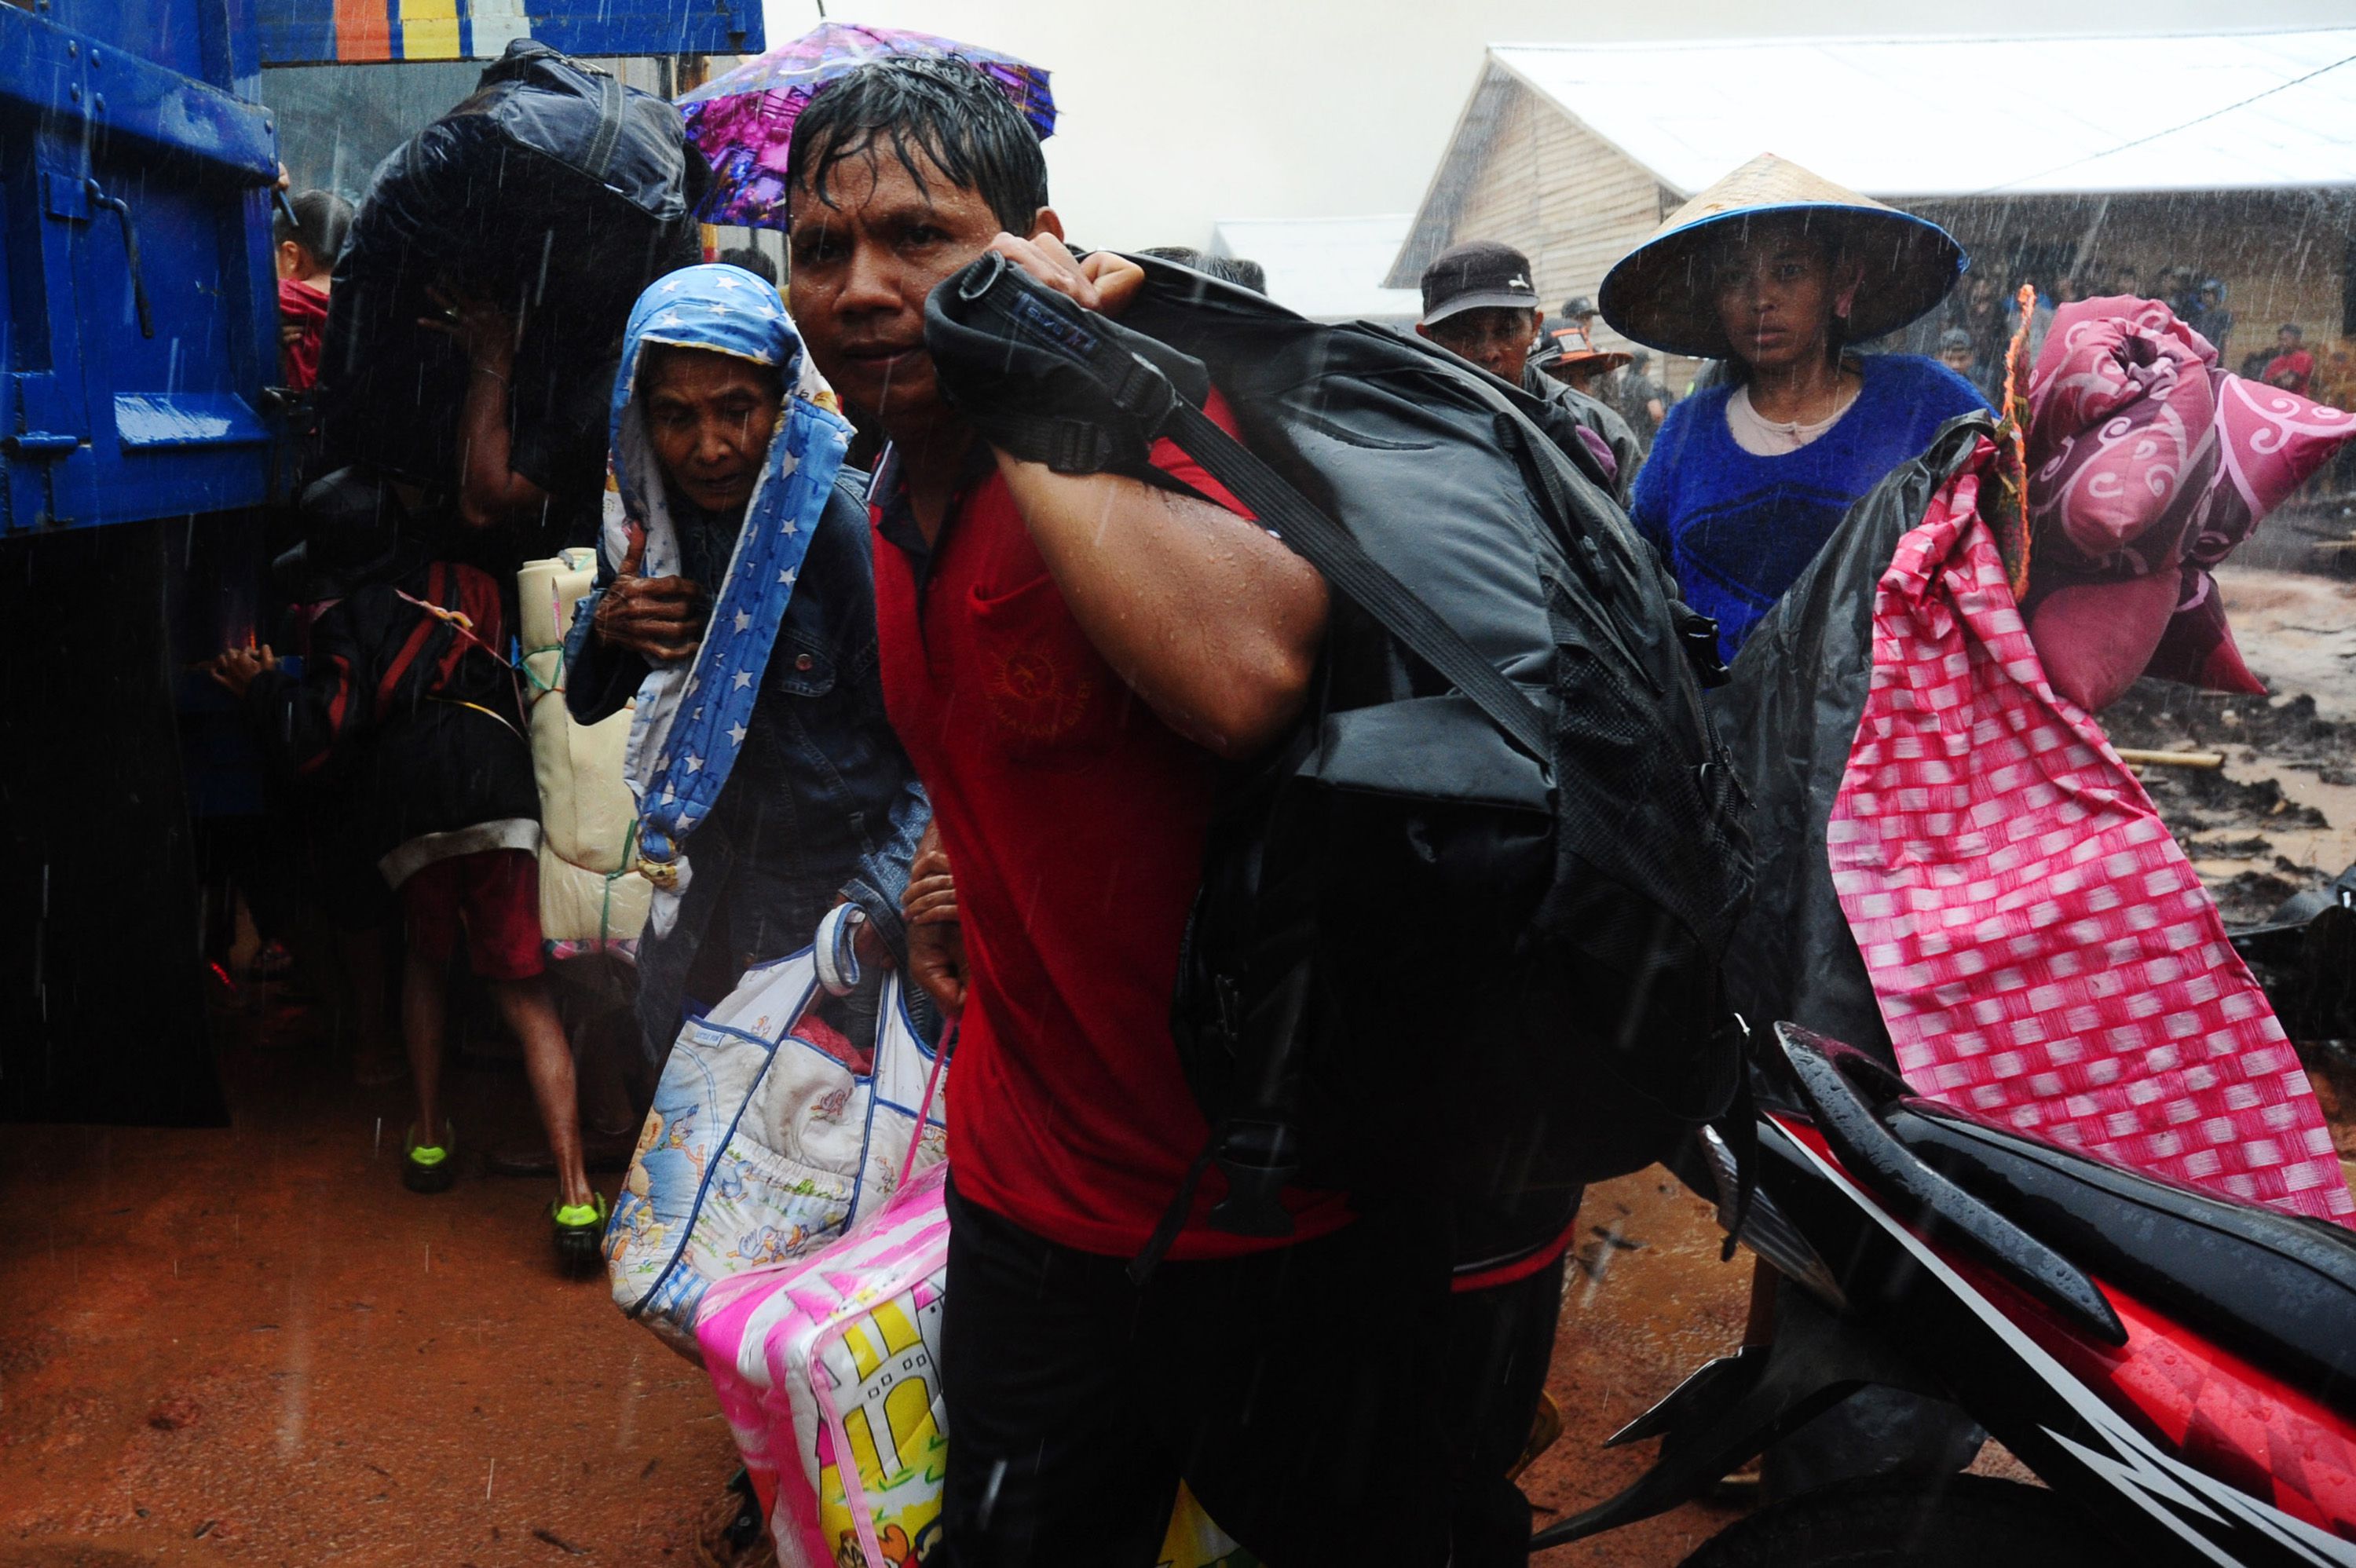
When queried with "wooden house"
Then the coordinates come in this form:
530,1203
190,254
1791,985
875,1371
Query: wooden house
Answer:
2232,154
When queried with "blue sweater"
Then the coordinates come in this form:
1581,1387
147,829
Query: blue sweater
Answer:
1738,529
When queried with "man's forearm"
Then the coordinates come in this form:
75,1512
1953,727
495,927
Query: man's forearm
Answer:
1213,622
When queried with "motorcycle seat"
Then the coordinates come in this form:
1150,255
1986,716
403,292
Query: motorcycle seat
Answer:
2273,1287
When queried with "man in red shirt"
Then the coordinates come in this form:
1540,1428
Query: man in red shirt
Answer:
1068,660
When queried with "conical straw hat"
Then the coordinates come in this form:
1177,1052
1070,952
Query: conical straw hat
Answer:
1660,294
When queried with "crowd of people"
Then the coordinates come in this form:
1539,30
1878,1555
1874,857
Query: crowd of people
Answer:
991,712
1982,316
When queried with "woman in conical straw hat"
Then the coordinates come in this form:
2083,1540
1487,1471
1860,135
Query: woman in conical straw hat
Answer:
1779,273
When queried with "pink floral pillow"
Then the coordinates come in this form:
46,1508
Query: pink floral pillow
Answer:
2148,465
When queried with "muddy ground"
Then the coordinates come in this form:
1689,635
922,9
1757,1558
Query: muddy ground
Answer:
2280,815
251,1346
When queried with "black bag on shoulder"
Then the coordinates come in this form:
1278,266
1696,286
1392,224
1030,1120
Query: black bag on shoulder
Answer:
1462,929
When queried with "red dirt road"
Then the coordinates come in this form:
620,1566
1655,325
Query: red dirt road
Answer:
251,1346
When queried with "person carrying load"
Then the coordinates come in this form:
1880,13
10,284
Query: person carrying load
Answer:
1232,809
1778,273
407,700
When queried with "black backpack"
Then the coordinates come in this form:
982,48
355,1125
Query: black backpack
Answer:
554,191
1461,931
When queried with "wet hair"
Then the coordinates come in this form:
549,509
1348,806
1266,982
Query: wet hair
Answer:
2293,328
962,123
752,260
322,219
1242,272
1226,269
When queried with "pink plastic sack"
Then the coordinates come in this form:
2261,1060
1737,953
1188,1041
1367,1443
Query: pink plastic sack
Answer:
2041,950
832,1357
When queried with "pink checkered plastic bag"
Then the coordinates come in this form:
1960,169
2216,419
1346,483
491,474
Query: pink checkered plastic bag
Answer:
2041,950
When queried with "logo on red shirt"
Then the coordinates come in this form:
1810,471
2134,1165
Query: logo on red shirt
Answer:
1037,695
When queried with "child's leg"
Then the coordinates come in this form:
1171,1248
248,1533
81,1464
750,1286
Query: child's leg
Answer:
530,1009
424,999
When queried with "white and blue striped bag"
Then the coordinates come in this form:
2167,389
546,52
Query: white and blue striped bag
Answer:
762,1146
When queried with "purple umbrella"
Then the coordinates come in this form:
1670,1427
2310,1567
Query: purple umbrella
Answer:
743,122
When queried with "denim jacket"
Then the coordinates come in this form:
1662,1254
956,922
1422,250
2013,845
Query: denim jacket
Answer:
822,802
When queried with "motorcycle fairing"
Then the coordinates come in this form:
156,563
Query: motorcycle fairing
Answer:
2277,1288
2155,1501
2254,1475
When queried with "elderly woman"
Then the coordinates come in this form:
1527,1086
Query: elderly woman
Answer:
1778,273
736,571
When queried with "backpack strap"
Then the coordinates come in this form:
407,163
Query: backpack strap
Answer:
1360,578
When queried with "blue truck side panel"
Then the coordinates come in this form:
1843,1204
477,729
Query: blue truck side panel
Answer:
135,238
139,335
138,328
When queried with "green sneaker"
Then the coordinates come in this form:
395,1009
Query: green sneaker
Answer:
580,1232
430,1168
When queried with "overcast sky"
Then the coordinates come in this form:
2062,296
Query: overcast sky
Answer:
1176,115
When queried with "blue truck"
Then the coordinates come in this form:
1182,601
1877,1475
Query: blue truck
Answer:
140,439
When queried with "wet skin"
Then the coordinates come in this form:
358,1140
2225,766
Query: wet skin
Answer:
1778,291
1495,337
1135,564
1776,294
710,417
861,268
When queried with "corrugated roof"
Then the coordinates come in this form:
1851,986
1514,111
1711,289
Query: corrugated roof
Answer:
1954,116
1328,269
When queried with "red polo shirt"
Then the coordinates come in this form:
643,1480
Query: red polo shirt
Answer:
1075,820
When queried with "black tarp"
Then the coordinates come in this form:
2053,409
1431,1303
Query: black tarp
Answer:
1788,719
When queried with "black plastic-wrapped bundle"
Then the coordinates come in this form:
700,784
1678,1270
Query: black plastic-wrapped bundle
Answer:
1788,719
554,191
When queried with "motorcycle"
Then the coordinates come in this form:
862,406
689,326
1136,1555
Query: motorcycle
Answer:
2179,1371
2304,954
